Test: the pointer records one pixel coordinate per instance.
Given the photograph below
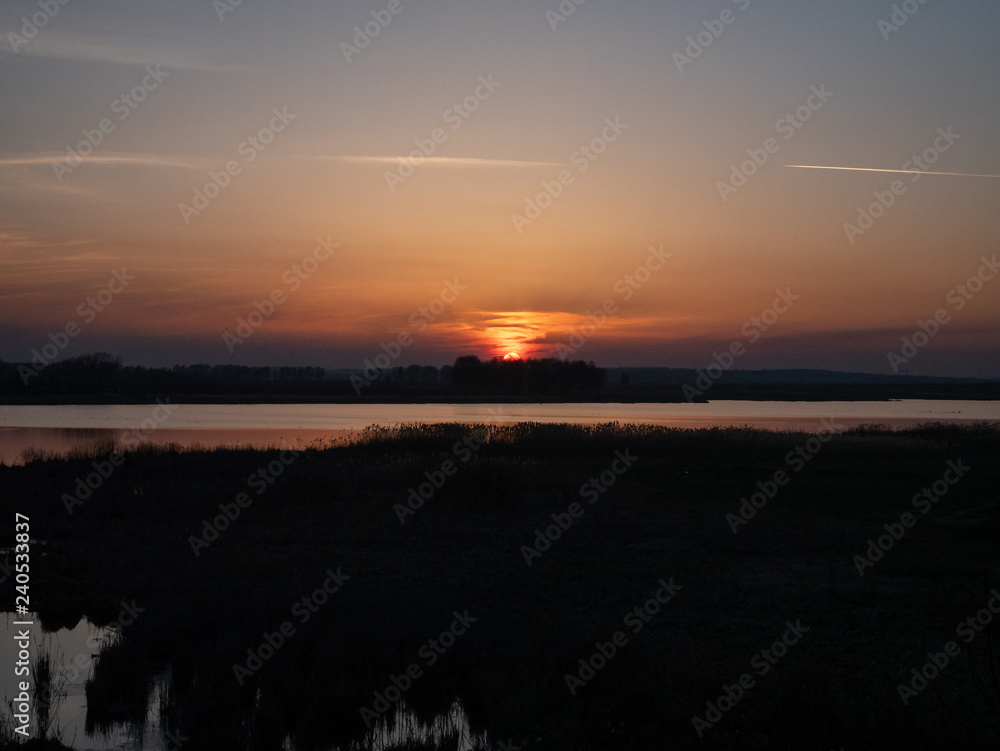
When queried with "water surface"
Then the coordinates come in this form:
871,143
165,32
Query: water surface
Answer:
60,428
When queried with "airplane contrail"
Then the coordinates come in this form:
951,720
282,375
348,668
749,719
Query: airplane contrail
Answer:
904,171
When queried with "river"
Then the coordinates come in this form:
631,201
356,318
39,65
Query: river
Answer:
60,428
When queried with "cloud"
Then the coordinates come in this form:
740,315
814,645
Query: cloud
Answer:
535,333
873,169
61,45
123,158
14,239
36,175
438,161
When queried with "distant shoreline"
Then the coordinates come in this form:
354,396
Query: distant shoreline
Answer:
635,395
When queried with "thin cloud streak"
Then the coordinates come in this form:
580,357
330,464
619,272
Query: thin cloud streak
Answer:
19,240
113,158
903,171
58,45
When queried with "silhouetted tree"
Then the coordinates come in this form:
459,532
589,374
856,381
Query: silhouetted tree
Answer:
85,374
549,377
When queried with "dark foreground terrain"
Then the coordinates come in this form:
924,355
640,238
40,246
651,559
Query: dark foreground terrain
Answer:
768,637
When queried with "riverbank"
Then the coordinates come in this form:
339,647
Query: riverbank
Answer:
689,554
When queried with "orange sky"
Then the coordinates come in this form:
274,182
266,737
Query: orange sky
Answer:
508,108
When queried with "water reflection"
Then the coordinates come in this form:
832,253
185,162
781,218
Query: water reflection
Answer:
448,730
70,687
19,443
91,690
61,428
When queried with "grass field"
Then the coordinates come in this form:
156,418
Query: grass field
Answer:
624,510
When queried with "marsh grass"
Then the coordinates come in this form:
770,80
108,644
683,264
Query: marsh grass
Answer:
49,690
30,454
118,691
667,516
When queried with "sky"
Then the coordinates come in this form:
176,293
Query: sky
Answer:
318,183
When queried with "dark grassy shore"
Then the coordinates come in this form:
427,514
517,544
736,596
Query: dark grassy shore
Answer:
664,518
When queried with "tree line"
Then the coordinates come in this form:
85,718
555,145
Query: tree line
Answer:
101,374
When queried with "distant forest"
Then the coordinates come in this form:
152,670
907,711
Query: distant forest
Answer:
101,374
103,378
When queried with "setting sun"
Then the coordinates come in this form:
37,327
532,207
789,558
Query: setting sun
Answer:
511,356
